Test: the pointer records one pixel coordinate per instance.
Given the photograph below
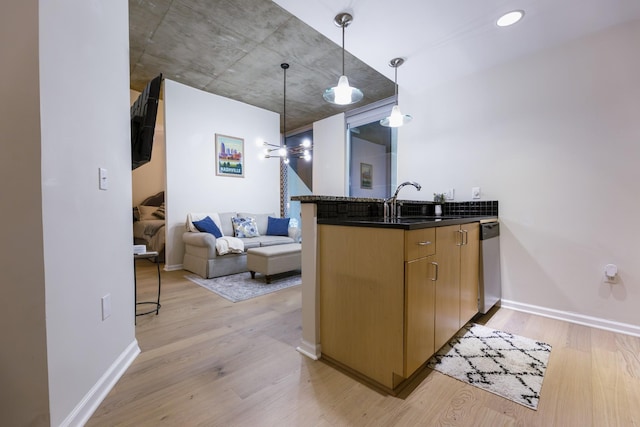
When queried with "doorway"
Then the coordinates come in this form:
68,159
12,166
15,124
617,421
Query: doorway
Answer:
371,152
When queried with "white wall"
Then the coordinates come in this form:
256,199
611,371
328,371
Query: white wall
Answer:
84,93
555,138
363,151
329,157
192,119
149,178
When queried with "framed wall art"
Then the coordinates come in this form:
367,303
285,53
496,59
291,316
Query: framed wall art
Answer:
366,175
229,156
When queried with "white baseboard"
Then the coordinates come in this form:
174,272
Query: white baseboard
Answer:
594,322
88,405
310,350
172,267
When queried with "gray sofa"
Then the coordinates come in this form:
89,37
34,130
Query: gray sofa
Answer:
200,256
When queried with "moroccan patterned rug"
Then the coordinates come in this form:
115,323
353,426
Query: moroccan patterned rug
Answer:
505,364
240,287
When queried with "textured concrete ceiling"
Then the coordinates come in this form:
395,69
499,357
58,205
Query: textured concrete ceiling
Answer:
234,48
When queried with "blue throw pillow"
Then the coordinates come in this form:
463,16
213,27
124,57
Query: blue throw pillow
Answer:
208,226
278,226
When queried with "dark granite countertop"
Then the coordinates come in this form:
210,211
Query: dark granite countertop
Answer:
314,199
367,212
405,223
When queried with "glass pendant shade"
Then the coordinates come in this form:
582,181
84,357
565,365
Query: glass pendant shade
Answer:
396,118
343,94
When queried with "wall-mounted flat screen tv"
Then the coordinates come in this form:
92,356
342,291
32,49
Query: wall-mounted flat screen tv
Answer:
143,122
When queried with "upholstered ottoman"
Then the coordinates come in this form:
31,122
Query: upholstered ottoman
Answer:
270,260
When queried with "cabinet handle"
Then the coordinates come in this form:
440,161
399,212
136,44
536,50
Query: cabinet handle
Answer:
466,237
436,275
425,243
460,242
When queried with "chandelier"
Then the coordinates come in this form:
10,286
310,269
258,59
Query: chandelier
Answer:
283,151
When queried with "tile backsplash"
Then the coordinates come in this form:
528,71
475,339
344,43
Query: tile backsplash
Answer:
362,209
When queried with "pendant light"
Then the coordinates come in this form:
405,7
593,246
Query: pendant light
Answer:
282,151
396,118
343,94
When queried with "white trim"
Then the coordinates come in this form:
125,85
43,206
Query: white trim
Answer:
88,405
310,350
580,319
382,103
369,113
173,267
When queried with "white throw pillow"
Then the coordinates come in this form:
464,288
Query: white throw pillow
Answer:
200,216
146,212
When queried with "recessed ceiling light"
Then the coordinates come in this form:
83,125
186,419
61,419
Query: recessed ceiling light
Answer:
510,18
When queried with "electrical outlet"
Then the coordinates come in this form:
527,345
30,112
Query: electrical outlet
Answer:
475,193
106,306
449,194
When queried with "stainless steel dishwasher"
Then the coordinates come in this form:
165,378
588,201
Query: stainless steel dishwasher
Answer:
490,281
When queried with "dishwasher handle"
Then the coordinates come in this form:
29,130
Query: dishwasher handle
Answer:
489,230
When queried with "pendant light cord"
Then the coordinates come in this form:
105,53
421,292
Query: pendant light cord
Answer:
284,119
396,83
343,25
284,66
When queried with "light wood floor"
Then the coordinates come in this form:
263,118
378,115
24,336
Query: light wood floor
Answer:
209,362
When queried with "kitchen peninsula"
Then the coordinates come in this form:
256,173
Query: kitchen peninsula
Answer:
380,296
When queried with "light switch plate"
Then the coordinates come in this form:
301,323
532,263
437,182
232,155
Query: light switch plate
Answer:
449,194
103,181
475,193
106,306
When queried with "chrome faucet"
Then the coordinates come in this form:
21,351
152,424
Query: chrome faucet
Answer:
390,208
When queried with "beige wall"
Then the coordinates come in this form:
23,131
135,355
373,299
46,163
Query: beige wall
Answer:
24,396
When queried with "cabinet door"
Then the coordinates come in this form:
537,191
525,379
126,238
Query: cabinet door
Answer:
447,291
420,315
361,281
469,266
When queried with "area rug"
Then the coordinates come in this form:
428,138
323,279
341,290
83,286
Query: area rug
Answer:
504,364
240,287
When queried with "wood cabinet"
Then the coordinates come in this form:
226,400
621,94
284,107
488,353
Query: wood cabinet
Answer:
420,274
447,297
469,271
361,277
457,285
388,298
419,243
420,316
